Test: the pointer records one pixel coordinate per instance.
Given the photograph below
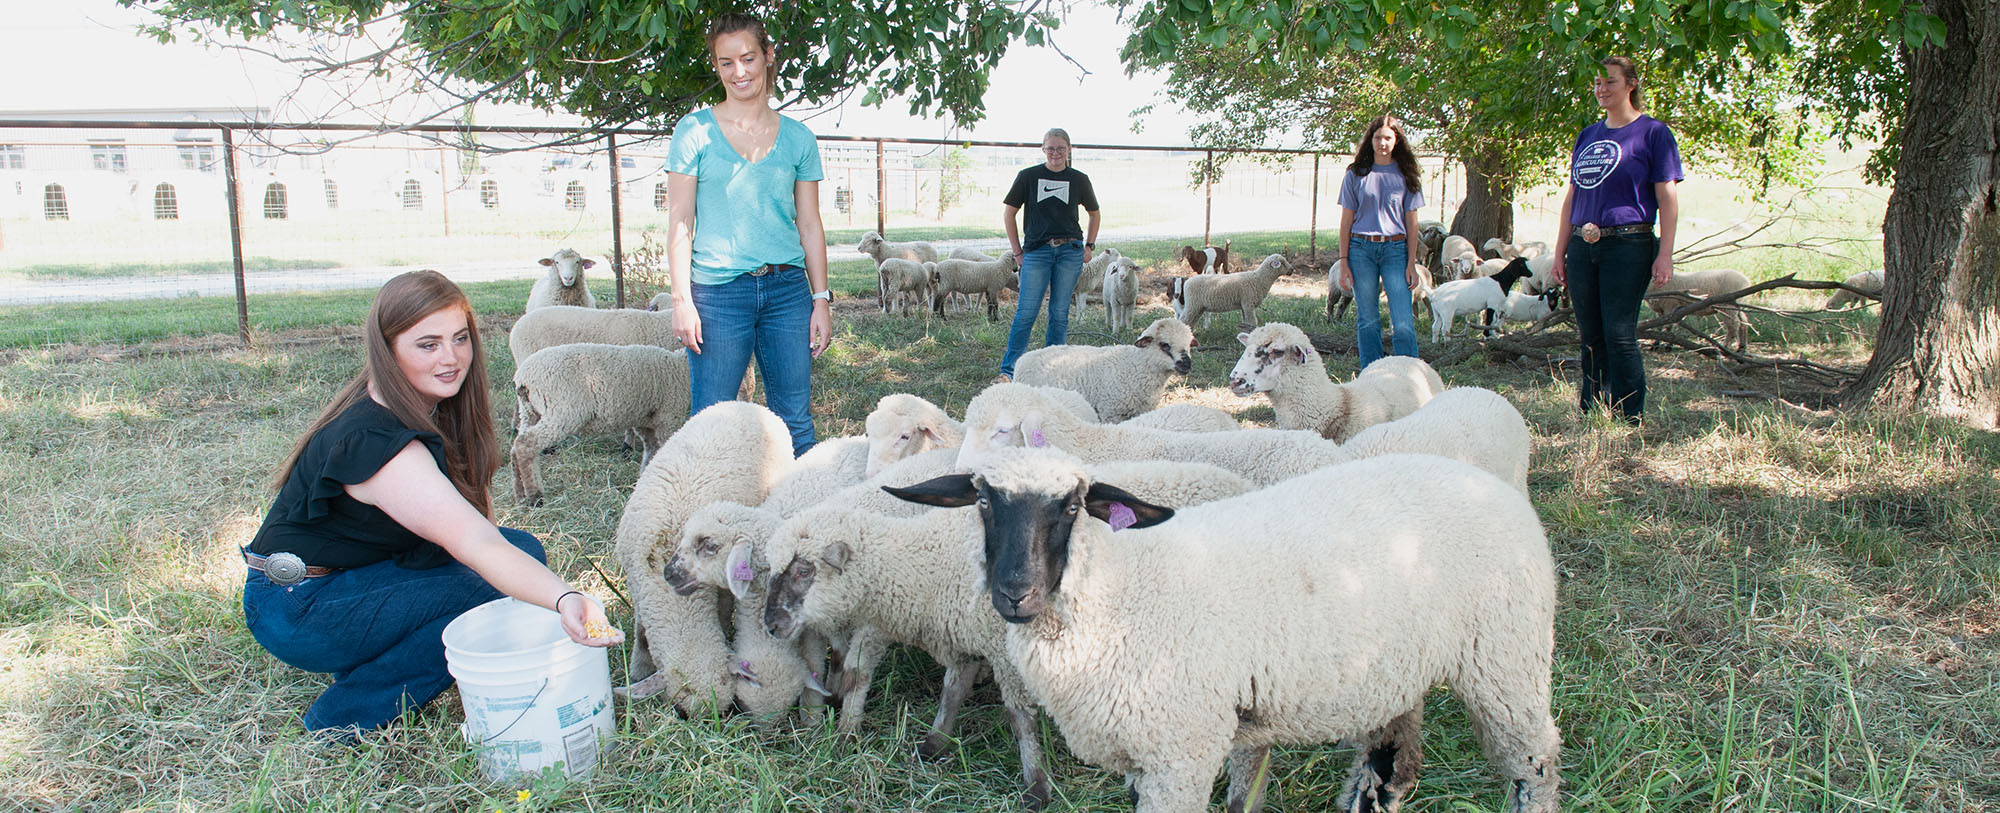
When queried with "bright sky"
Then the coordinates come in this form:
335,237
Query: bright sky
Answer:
88,56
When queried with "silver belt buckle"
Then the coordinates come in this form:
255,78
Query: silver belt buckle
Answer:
284,569
1590,232
763,269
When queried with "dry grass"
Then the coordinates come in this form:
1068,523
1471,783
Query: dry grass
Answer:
1761,608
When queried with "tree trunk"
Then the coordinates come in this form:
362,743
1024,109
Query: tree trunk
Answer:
1938,347
1488,210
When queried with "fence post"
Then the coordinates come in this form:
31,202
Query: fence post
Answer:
1312,230
617,222
235,235
881,193
444,189
1207,196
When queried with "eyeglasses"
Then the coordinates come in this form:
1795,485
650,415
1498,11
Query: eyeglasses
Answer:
1056,148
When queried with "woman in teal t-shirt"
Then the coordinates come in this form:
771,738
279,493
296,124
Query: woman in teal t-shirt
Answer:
746,250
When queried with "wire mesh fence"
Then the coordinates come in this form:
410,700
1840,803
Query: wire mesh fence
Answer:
140,213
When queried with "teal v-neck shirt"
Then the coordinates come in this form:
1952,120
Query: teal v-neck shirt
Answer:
745,214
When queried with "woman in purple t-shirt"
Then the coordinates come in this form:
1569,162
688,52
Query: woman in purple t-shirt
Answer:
1621,178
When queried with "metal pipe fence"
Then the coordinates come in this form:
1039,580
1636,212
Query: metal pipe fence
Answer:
193,213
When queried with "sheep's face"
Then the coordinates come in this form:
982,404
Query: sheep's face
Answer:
1173,338
893,437
798,562
1263,361
569,266
718,548
1029,507
871,243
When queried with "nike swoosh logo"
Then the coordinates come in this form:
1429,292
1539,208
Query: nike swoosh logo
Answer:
1046,189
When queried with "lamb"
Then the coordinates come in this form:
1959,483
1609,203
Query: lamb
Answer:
1120,381
874,246
570,324
563,284
1473,296
1293,615
1457,257
594,389
904,283
1090,281
1121,295
971,277
729,451
1195,296
1526,307
972,254
1279,361
1869,282
1685,287
903,425
1468,424
1185,418
1207,259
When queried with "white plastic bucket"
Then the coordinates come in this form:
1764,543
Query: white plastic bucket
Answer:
533,698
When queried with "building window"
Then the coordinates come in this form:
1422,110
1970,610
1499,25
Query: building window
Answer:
332,194
274,202
108,155
573,196
55,203
13,156
489,194
660,196
413,196
196,156
165,205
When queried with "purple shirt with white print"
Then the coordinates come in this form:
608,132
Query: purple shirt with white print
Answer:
1613,170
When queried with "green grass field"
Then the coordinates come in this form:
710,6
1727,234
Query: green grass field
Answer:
1761,608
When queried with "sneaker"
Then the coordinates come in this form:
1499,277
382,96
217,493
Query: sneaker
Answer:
1002,378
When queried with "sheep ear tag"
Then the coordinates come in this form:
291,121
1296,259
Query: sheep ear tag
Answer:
741,572
1121,517
1036,438
742,670
814,683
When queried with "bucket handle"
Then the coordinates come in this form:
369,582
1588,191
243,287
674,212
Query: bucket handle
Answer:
517,718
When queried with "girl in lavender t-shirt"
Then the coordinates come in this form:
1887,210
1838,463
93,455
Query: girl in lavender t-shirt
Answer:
1379,199
1621,180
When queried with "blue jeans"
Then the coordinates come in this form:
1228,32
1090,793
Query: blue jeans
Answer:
1378,269
1607,283
378,629
768,316
1050,271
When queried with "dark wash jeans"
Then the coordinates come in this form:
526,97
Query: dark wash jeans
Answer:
769,317
378,629
1050,270
1607,283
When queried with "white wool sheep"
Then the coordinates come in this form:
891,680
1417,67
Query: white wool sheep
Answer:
904,283
597,389
874,246
1320,609
1869,282
1090,281
831,465
1121,295
718,549
1456,258
1279,361
662,301
973,277
563,284
729,451
1245,291
959,301
1685,287
1473,296
1472,425
1120,381
570,324
904,425
1186,418
1526,307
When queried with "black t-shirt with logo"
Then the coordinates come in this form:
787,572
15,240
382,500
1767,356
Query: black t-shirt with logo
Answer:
1050,200
315,517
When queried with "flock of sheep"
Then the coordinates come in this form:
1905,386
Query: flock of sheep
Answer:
1176,591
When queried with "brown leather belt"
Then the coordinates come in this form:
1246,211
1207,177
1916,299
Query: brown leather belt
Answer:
259,562
1591,232
1061,241
1379,238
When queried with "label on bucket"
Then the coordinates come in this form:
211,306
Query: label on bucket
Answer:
579,710
580,750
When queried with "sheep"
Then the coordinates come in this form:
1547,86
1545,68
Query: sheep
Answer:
1473,296
1121,294
1207,259
1869,283
729,451
594,389
1120,381
1456,257
906,282
1685,287
1279,361
1090,281
874,246
903,425
971,277
1468,424
569,324
1526,307
1195,296
1185,418
563,284
662,301
1343,296
1320,609
1431,234
972,254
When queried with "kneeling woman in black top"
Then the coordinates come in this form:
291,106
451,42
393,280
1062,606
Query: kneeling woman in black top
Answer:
382,532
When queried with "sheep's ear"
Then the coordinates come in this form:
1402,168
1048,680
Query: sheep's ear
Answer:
1298,355
1144,341
740,570
835,556
949,491
546,261
590,263
1118,507
1193,342
1031,432
1244,338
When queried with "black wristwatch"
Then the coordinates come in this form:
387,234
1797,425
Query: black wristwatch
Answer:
1089,245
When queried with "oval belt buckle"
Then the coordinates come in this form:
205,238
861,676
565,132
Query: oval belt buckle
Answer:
284,569
1591,232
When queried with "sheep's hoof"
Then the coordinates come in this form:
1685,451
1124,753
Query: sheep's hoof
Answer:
932,745
532,500
1037,795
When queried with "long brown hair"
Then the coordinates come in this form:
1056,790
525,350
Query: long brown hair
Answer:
733,22
1404,156
1637,96
463,420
